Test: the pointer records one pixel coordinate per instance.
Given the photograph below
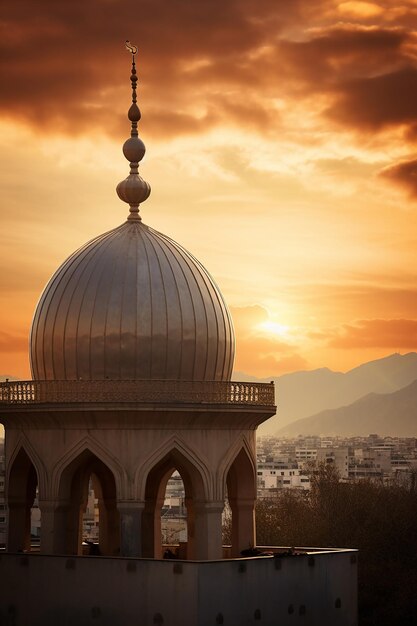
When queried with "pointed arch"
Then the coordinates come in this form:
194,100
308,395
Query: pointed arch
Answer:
181,454
88,444
151,481
240,446
22,481
73,476
42,475
240,477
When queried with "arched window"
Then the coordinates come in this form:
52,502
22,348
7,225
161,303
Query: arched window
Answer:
21,494
174,518
87,474
155,497
241,491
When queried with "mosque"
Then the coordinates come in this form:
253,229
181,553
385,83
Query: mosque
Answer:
131,352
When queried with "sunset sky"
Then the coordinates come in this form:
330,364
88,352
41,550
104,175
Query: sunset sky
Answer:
281,144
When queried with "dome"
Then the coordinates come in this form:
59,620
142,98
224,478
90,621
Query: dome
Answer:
131,304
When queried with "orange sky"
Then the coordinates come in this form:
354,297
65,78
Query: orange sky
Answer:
281,150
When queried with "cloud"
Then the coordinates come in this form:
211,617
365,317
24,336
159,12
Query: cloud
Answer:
64,70
376,102
343,51
373,293
403,174
367,73
376,333
64,67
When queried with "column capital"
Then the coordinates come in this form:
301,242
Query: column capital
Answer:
130,506
208,507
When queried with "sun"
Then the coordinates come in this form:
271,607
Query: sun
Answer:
273,328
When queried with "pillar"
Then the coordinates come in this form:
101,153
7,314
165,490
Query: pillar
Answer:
130,527
151,529
49,531
109,527
18,528
243,524
207,531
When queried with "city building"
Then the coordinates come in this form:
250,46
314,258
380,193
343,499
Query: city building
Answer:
382,459
338,457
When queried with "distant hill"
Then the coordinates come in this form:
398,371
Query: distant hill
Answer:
302,394
392,414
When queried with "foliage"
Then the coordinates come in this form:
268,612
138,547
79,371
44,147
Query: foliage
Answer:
379,520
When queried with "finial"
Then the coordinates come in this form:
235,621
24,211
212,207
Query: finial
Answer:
133,189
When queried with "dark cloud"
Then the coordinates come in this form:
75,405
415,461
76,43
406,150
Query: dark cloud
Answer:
368,73
377,102
201,64
403,174
64,67
377,333
331,55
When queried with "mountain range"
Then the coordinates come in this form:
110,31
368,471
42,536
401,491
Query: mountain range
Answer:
307,394
392,414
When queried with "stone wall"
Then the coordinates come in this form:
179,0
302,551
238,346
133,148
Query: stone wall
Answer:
315,589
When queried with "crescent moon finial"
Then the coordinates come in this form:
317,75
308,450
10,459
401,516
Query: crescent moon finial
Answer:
130,47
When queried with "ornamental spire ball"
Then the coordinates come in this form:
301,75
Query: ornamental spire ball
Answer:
133,189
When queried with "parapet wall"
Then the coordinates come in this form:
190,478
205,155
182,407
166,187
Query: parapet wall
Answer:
315,589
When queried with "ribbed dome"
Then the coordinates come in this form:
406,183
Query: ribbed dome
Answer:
131,304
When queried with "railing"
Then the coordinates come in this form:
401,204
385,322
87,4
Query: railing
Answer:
139,391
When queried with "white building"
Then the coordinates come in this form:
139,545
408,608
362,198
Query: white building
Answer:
278,475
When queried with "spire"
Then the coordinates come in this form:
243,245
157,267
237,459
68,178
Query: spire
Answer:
133,189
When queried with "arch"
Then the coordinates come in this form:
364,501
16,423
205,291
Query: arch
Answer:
72,496
155,473
241,446
22,481
242,491
177,448
42,474
241,477
95,448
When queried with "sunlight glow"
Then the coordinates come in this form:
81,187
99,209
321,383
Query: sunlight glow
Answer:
273,328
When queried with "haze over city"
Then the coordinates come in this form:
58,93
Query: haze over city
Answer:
281,151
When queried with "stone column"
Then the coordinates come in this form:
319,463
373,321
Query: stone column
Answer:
189,505
130,527
207,531
243,524
48,510
74,528
109,527
151,529
18,528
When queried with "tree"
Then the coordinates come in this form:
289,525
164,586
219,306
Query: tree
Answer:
378,519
